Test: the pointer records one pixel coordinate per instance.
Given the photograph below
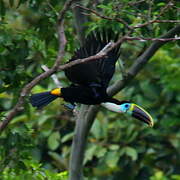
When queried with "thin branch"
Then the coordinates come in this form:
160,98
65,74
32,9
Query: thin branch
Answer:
54,77
137,26
106,17
50,5
99,55
150,3
155,21
65,8
165,8
136,2
152,39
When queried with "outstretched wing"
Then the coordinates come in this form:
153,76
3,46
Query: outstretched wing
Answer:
98,71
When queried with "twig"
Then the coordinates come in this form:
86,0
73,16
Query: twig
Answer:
65,8
137,26
155,21
163,10
105,17
103,51
49,4
136,2
150,3
54,77
99,55
152,39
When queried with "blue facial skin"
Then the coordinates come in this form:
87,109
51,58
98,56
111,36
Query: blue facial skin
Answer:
125,107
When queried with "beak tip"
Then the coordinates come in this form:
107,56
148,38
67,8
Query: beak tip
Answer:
151,124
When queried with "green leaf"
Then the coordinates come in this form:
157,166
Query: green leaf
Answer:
114,147
175,177
161,4
96,129
100,152
54,140
58,158
112,158
91,151
67,137
102,6
131,152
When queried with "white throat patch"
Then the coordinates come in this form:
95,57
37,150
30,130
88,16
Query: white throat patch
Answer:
112,107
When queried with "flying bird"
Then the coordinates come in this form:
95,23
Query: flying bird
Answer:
90,80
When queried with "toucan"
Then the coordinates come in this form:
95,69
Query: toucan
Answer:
90,80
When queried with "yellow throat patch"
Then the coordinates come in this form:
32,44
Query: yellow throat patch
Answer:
56,92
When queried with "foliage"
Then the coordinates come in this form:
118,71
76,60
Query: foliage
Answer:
36,145
32,171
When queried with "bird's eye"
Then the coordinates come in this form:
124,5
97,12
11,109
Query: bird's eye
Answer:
126,106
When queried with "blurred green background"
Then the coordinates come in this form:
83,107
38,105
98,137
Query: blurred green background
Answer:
36,144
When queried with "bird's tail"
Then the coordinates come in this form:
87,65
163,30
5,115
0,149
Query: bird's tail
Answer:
40,100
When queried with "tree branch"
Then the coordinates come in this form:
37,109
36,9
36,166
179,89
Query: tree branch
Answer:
165,8
99,55
152,39
156,21
105,17
170,4
65,8
54,77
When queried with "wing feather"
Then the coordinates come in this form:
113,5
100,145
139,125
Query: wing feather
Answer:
97,71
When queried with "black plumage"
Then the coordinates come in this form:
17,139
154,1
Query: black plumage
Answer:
40,100
98,71
90,79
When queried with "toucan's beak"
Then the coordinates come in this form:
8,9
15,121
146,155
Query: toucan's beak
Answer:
141,114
